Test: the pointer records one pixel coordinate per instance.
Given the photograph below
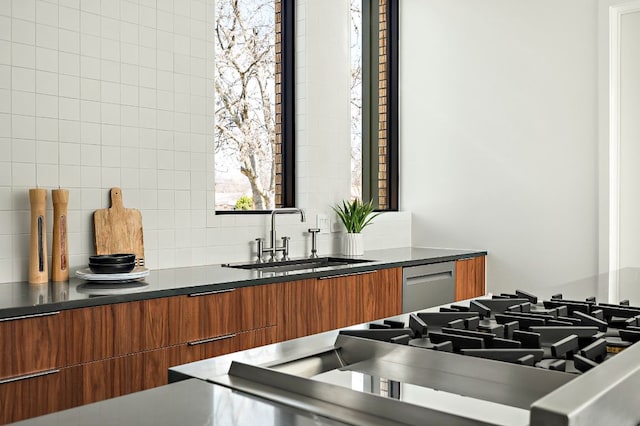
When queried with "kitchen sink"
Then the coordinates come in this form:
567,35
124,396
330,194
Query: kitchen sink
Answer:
297,264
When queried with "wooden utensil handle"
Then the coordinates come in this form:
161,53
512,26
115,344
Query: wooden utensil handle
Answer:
60,255
38,267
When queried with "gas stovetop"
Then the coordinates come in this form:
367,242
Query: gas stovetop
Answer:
557,334
509,359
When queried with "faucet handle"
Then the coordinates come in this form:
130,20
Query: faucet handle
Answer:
314,242
259,249
285,248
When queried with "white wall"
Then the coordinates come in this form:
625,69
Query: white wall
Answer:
96,94
499,135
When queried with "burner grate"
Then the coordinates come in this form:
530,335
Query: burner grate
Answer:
556,334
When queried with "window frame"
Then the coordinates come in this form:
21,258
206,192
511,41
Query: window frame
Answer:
370,107
288,104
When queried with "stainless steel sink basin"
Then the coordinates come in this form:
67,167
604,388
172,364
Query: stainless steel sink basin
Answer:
298,264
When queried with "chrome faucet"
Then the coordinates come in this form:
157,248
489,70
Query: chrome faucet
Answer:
274,249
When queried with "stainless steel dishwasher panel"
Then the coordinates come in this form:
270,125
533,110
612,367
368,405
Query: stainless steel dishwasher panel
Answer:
426,286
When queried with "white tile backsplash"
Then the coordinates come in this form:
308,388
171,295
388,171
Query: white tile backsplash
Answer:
47,82
69,131
23,31
23,103
23,79
69,18
5,77
90,67
47,13
23,127
5,52
23,9
47,128
47,106
69,153
68,41
5,101
46,36
96,94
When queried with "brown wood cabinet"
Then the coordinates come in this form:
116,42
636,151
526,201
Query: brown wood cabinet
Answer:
74,357
64,359
317,305
470,281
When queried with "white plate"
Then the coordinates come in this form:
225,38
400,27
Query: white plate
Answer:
137,273
109,288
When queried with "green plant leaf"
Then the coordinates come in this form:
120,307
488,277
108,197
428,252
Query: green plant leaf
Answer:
355,215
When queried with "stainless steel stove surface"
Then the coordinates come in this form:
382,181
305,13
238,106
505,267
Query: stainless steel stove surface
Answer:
511,359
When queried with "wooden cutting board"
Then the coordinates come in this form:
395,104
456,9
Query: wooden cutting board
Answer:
118,230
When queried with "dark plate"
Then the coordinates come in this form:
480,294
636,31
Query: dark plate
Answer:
121,268
112,259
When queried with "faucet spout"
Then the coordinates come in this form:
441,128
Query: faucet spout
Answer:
274,213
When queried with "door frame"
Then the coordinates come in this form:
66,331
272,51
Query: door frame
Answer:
616,12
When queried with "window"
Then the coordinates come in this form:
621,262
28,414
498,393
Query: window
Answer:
374,102
254,112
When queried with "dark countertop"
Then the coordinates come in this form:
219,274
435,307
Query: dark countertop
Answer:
191,402
21,298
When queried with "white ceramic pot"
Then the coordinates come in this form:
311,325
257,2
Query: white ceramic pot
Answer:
352,245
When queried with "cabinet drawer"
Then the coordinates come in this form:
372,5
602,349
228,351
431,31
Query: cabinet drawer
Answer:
221,345
219,313
96,381
41,393
112,330
32,343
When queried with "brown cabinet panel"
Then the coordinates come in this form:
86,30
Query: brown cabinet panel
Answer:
470,281
96,381
157,364
103,331
218,313
161,318
317,305
307,308
35,396
346,301
381,294
32,344
112,330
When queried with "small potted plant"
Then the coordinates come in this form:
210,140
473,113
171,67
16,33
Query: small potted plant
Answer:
355,215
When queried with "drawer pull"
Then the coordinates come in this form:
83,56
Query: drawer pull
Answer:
349,274
29,376
207,293
212,339
21,317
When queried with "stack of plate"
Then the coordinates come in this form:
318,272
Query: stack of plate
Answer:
119,263
113,268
